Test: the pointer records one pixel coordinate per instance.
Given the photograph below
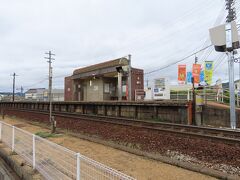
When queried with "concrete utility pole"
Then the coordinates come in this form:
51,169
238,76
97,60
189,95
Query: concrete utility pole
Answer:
231,17
194,96
51,118
14,78
22,91
196,59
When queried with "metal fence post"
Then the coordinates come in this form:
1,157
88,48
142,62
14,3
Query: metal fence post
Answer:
34,151
222,97
13,137
78,166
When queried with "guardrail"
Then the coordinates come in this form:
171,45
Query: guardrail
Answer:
52,160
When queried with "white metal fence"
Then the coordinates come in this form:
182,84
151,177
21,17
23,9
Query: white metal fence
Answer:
54,161
210,94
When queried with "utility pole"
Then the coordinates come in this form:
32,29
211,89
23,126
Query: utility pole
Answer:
196,59
51,118
229,46
194,96
14,78
193,102
21,91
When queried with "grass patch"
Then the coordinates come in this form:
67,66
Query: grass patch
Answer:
13,153
47,134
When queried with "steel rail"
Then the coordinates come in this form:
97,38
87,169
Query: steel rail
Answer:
226,135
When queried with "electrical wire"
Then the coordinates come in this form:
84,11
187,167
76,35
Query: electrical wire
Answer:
166,66
37,83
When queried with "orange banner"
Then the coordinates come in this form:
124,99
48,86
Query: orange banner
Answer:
196,73
181,74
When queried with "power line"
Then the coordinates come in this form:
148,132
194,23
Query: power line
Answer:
32,85
168,25
166,66
220,60
191,12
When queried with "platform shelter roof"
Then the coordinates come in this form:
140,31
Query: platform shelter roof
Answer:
99,69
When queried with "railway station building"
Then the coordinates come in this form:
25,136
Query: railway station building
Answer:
110,80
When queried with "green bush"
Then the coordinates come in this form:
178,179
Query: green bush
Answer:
46,134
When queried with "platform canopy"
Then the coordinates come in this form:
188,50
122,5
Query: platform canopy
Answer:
101,69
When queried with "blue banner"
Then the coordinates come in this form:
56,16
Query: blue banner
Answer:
202,76
189,77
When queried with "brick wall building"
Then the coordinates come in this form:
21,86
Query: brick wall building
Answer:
110,80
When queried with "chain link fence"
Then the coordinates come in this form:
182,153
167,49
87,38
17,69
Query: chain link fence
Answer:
54,161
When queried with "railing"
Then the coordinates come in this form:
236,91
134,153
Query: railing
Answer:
209,94
181,95
52,160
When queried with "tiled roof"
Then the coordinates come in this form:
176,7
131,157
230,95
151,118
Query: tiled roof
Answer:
112,63
31,91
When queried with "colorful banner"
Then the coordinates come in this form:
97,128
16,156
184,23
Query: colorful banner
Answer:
201,76
196,73
189,77
181,74
208,71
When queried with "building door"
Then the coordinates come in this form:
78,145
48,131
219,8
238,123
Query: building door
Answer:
84,92
79,95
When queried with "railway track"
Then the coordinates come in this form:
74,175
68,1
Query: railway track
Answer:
221,134
225,135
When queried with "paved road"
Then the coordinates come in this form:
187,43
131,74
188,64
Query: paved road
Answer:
6,173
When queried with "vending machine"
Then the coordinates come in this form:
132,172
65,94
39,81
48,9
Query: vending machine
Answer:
161,88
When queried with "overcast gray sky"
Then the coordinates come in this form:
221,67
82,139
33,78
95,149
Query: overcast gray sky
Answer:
85,32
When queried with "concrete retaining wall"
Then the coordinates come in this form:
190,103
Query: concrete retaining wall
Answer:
218,117
175,112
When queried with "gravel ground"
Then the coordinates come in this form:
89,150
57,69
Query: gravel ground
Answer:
136,166
216,155
186,158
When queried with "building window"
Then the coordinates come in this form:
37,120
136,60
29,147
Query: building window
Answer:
106,88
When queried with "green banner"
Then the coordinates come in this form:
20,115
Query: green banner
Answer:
208,72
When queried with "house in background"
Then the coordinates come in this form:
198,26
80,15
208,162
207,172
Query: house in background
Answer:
35,94
41,94
57,95
236,86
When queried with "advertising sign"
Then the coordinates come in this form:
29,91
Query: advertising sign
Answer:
181,74
161,88
202,76
189,77
196,73
208,71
